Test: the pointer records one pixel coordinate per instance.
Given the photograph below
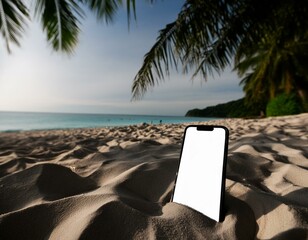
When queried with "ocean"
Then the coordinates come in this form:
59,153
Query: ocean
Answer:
18,121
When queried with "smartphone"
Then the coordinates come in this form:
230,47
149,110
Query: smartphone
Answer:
200,180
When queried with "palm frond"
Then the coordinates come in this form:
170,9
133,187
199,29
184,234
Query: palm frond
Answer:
131,7
171,47
203,40
13,16
275,67
249,63
60,20
162,51
106,9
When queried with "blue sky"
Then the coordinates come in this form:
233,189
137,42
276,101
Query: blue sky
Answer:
97,78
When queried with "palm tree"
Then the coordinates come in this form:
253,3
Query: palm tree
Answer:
207,35
277,63
60,19
13,16
271,69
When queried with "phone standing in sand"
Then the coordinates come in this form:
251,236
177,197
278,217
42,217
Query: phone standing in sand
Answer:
200,181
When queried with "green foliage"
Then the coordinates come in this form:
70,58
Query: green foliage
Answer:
203,38
277,63
269,44
13,16
207,35
272,68
60,19
283,104
237,108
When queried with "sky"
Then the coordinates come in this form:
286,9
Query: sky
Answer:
98,77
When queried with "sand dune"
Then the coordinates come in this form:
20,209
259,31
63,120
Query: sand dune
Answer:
116,183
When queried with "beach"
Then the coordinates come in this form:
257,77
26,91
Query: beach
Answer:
116,183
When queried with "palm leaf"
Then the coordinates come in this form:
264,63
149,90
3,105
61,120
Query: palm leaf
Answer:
13,16
161,51
106,9
203,39
59,19
169,49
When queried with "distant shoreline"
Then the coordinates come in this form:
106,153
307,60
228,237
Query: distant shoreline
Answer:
25,121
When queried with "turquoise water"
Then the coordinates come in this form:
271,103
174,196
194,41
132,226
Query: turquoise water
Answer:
15,121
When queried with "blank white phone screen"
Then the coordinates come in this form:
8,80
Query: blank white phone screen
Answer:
200,174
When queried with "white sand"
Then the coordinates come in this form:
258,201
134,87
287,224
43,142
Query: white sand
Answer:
116,183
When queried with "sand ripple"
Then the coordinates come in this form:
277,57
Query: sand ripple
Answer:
116,183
